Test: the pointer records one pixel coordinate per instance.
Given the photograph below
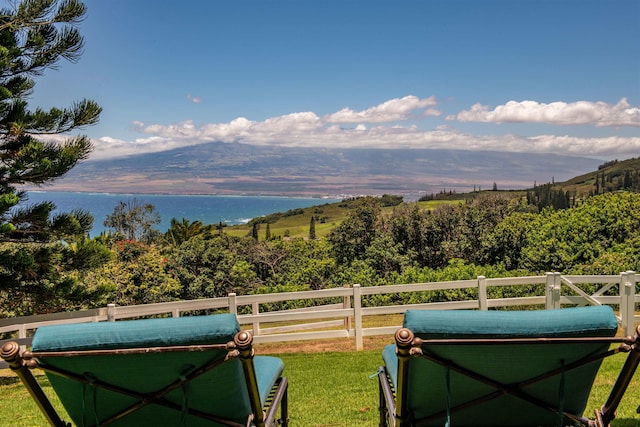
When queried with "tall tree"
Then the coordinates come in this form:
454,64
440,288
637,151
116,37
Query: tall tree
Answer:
351,238
36,35
312,228
627,182
254,231
134,220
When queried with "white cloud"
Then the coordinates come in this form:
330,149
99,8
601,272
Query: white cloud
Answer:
562,113
107,147
397,109
372,129
194,99
184,129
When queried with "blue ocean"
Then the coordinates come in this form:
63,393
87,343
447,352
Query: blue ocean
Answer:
207,209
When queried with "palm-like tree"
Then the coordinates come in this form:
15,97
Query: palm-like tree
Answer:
181,231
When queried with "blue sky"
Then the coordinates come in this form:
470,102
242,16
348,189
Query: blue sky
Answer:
558,76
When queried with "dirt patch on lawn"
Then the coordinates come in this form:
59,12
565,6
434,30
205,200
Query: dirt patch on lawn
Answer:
323,346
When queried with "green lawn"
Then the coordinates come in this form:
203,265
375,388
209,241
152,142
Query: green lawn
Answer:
325,389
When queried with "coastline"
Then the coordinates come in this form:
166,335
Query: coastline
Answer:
148,193
206,208
153,191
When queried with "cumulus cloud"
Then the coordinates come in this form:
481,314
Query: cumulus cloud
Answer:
397,109
107,147
561,113
381,127
194,99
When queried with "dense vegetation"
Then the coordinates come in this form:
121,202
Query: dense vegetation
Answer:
40,254
492,234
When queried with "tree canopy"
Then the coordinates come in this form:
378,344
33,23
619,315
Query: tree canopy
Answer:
35,35
35,149
134,220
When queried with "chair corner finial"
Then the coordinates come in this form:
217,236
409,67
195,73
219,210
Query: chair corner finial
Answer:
10,352
243,340
404,337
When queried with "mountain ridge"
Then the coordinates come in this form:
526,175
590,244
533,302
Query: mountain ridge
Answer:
236,168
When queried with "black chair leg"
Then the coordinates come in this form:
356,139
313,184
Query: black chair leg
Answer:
382,405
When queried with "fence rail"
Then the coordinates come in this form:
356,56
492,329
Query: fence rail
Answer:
345,319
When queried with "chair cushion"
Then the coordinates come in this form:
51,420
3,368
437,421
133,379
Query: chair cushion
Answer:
268,370
391,362
567,322
215,329
504,363
221,391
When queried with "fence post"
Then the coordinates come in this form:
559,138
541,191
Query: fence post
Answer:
357,314
346,303
633,276
233,307
548,291
623,300
22,333
482,293
111,312
552,291
557,294
255,309
627,301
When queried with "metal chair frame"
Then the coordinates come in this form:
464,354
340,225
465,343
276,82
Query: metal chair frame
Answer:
393,403
21,362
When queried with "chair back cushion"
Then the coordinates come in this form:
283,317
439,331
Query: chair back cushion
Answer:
506,364
221,391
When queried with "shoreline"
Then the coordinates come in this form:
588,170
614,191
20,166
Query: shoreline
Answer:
196,194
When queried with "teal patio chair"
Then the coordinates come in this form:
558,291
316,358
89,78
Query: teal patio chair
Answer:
458,368
187,371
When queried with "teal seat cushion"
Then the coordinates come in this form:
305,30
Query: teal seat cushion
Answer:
567,322
268,370
221,391
391,362
215,329
430,383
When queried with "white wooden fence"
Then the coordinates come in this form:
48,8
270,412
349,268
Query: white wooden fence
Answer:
346,319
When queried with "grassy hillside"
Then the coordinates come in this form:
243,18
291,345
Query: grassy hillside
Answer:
295,224
613,172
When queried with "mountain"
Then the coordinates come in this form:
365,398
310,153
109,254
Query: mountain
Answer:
235,168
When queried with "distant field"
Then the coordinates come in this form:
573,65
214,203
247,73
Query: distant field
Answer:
297,226
327,216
